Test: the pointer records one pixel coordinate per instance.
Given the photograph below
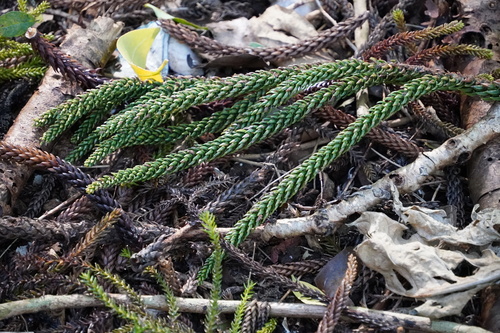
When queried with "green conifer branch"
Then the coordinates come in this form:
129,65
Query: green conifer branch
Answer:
213,312
287,82
17,60
347,138
173,309
164,90
161,109
87,126
306,171
134,297
38,10
170,85
107,97
156,111
89,280
399,19
269,326
135,311
90,140
215,123
240,310
30,69
12,49
22,5
239,139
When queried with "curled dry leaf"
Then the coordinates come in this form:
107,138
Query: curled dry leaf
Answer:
484,169
417,267
432,225
275,27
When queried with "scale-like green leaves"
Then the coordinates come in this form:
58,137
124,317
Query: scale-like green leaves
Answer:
266,103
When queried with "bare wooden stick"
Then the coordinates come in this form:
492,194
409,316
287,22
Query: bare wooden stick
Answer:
198,305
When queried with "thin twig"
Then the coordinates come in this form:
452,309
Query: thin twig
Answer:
198,305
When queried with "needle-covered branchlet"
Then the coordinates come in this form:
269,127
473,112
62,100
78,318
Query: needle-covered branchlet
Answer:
212,47
386,138
409,37
300,267
339,301
43,160
62,62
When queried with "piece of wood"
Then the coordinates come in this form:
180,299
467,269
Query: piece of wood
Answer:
92,47
200,305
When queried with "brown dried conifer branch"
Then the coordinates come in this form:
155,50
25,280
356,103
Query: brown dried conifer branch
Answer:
300,267
405,38
40,197
73,175
256,315
166,269
86,247
34,229
78,208
212,47
455,195
449,130
63,63
28,156
444,103
267,272
390,140
338,303
240,191
197,174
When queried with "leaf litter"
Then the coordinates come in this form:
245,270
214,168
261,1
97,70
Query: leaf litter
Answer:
420,256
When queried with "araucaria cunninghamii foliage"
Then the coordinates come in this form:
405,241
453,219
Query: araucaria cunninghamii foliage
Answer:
264,103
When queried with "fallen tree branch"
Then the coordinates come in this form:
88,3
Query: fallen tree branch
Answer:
198,305
407,179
